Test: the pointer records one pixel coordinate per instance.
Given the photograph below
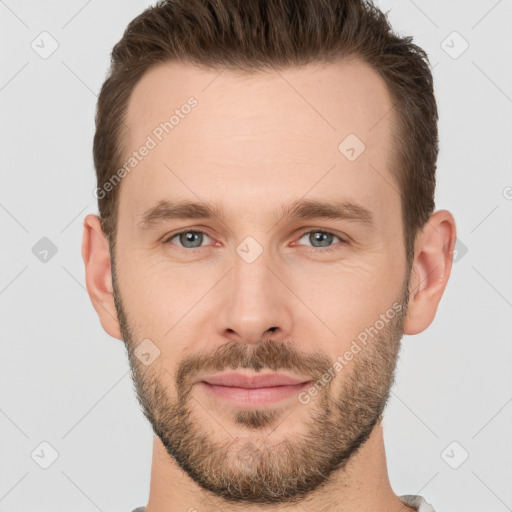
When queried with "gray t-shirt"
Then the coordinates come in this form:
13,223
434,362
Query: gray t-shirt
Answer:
413,500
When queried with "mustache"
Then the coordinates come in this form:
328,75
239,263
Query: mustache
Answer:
271,354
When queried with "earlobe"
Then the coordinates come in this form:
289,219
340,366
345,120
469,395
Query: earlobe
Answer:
98,274
431,269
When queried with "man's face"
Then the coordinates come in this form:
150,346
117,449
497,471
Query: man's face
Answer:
256,291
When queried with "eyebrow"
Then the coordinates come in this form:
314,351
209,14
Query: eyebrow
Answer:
300,210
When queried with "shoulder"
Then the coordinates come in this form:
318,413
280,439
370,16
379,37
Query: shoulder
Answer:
416,501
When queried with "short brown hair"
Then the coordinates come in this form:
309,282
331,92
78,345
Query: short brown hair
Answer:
252,35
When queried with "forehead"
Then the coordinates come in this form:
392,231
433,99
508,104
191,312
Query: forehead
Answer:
266,134
335,98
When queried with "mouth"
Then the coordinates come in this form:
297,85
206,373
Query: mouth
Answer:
246,391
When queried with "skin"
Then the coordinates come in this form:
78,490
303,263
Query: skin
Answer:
253,144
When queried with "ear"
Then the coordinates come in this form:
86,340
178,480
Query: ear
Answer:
98,274
433,255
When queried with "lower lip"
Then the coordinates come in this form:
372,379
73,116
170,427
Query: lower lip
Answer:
250,397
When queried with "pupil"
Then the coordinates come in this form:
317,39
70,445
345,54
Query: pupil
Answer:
191,236
325,236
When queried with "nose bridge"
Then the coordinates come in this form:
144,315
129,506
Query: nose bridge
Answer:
257,300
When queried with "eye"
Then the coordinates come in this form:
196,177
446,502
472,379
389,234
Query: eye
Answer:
188,238
324,240
193,239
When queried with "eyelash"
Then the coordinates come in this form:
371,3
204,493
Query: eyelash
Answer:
307,232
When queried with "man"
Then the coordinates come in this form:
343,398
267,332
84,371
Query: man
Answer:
267,234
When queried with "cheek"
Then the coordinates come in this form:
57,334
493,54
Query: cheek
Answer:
345,299
168,302
339,299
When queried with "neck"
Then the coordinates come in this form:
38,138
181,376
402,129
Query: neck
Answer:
363,486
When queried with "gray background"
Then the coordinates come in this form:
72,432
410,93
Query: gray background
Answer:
65,382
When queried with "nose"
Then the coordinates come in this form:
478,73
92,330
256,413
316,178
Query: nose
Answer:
257,303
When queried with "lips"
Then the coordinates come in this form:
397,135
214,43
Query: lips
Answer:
249,391
238,380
